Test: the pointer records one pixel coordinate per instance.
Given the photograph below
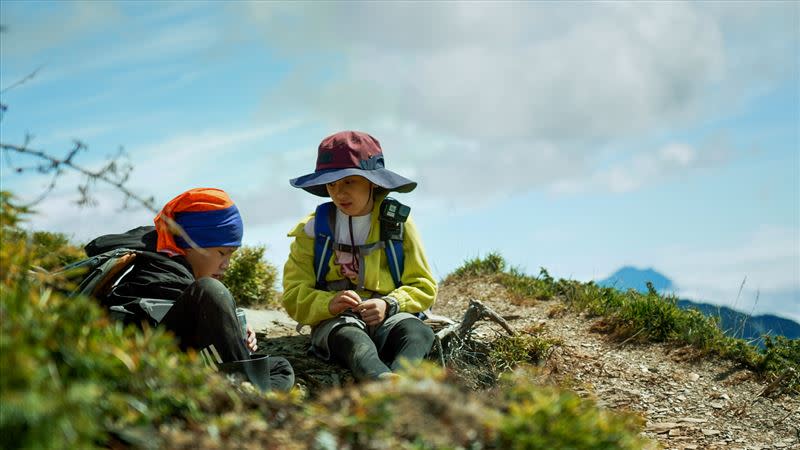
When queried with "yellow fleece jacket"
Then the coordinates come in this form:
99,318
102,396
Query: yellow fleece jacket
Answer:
309,306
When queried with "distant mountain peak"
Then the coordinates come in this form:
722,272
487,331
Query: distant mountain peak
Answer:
630,277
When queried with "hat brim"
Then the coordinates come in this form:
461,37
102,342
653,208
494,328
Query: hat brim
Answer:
315,182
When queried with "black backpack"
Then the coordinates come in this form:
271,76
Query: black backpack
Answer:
113,256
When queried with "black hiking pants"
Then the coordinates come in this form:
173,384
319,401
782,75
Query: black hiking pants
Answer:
352,347
204,315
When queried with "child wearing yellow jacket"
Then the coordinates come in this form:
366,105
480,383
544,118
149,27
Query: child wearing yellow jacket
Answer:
359,317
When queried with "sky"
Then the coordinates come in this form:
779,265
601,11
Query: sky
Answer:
576,136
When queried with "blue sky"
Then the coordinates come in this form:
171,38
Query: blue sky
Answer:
580,137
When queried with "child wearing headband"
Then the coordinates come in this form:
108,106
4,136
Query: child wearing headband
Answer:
175,283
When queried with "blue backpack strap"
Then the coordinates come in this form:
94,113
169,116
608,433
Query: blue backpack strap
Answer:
393,246
396,259
323,242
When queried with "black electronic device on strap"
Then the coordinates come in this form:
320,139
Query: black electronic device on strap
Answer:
392,216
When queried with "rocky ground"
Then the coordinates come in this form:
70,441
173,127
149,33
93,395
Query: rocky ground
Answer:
687,401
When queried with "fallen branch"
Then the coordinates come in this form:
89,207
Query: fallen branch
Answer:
475,312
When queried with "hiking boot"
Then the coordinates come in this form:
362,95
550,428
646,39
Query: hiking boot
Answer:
256,369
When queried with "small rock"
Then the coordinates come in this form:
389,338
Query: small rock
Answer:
710,432
779,445
725,397
690,447
694,377
661,427
675,432
692,420
681,398
717,405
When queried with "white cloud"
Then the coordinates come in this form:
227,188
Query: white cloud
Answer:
523,93
203,157
73,39
58,24
59,212
643,168
766,260
164,169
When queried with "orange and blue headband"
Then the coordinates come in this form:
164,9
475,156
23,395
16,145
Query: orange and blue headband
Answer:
207,215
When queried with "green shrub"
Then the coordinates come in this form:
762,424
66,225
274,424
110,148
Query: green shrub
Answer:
251,279
525,287
492,264
75,378
507,352
780,353
422,410
548,417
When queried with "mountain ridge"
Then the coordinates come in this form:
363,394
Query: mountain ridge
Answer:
733,322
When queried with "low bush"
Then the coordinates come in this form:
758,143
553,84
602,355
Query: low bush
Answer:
548,417
73,379
507,352
492,264
251,279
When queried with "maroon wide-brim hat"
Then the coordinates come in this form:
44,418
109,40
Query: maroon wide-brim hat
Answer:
349,153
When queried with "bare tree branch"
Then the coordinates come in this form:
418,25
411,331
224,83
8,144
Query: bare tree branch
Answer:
23,80
109,174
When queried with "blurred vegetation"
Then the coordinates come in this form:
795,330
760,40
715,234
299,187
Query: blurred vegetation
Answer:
251,279
72,378
507,352
649,317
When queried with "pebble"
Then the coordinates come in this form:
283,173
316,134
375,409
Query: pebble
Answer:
662,427
694,377
692,420
717,405
710,432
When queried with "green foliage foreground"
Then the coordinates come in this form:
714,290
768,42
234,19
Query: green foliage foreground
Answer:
646,318
71,378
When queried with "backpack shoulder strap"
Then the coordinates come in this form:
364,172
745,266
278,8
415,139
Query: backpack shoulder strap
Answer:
323,241
396,258
393,246
324,246
97,273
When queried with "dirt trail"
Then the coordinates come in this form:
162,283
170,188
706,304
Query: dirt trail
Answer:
688,402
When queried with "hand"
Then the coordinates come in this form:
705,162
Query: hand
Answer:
342,301
251,343
372,311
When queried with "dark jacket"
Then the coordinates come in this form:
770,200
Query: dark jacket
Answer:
153,275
